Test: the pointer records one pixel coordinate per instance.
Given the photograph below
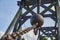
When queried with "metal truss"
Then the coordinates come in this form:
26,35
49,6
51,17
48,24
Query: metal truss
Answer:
45,30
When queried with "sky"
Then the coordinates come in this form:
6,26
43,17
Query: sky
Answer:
8,9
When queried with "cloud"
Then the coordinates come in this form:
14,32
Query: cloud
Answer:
1,33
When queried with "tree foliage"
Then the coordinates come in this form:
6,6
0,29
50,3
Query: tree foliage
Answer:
43,38
23,39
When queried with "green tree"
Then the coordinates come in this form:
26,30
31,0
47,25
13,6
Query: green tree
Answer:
23,39
43,38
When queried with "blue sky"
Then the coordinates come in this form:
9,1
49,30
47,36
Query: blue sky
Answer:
8,9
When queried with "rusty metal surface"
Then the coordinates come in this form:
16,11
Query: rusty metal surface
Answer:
15,35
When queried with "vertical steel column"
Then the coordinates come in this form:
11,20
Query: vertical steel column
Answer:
58,2
16,27
58,18
11,26
38,6
20,28
39,37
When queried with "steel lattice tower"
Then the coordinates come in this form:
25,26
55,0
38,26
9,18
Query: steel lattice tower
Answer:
17,21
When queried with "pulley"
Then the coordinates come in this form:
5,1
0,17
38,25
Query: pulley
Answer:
37,18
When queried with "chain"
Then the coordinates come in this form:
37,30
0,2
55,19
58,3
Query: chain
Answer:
15,35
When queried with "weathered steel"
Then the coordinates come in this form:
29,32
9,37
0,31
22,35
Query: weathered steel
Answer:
58,19
34,2
15,35
53,16
13,22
